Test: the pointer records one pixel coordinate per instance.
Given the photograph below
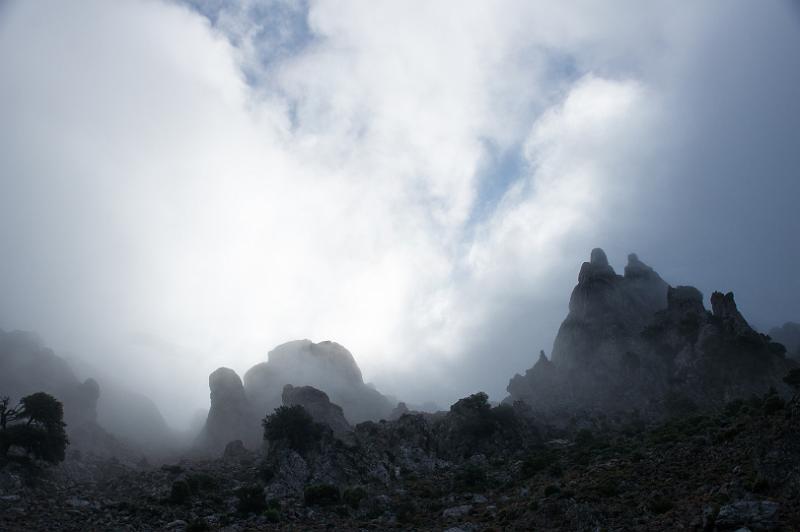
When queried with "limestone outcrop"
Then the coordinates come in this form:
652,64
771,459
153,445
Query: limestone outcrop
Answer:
231,416
634,342
319,406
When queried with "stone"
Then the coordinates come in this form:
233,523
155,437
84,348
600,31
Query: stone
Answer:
757,514
231,416
319,406
456,512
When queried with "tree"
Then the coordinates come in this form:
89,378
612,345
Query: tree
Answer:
36,425
294,425
793,379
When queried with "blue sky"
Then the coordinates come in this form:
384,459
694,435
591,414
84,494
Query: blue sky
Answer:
187,185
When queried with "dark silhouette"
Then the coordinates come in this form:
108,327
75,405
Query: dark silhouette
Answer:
294,425
35,425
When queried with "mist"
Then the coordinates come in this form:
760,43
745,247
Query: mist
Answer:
189,185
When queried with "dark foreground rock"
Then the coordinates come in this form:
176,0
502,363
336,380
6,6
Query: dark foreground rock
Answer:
738,467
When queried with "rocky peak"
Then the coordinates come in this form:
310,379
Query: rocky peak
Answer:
632,341
685,300
231,416
327,366
596,269
636,268
724,308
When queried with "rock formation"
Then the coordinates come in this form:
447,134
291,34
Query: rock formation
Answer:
788,335
633,342
317,404
326,366
231,416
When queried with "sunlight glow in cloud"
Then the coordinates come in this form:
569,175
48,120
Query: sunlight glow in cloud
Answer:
188,185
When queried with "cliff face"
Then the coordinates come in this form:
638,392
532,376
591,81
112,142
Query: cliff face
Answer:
27,366
633,342
231,416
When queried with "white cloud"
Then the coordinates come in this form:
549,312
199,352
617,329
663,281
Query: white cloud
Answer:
221,188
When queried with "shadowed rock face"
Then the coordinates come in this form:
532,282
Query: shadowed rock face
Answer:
326,366
27,366
319,406
633,341
788,335
231,416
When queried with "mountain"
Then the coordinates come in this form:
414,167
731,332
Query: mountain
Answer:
633,342
104,420
326,367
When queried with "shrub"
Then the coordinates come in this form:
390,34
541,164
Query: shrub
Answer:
294,425
251,499
471,476
660,505
535,463
584,438
353,496
272,515
180,492
321,495
552,489
772,403
474,416
36,425
793,379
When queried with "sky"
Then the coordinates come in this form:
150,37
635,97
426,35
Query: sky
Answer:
185,185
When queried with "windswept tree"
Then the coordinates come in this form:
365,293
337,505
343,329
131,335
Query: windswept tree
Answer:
35,425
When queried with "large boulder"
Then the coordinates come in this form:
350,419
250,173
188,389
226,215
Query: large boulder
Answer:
231,416
326,366
319,406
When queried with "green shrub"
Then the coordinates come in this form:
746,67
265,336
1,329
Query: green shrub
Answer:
353,496
551,489
180,492
584,438
251,499
321,495
198,525
471,476
272,515
36,425
293,425
536,463
660,505
772,403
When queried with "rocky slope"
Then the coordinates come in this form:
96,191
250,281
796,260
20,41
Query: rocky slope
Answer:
474,468
106,421
633,342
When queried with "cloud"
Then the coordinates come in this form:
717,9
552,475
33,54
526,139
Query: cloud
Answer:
416,181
